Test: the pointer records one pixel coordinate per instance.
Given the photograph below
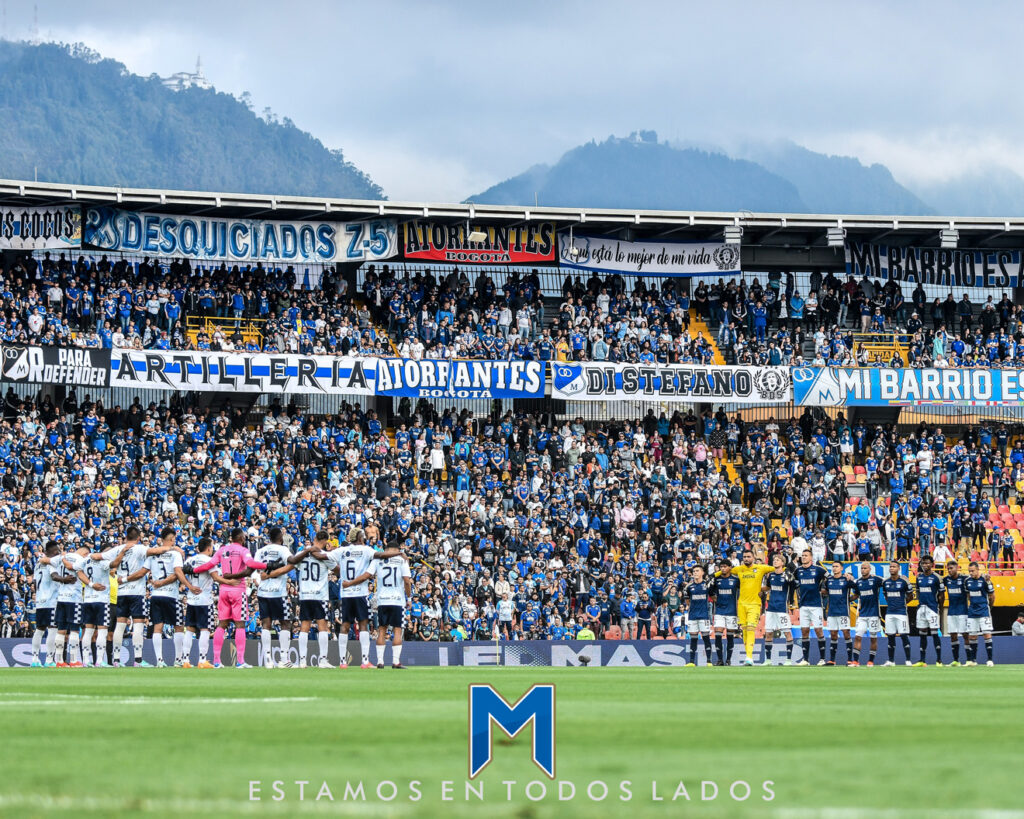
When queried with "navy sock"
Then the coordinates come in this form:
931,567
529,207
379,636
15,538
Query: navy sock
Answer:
988,649
937,643
693,650
906,649
718,645
892,647
821,649
805,646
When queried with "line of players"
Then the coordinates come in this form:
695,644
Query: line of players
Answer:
819,595
75,611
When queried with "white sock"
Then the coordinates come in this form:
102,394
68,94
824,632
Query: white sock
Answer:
87,636
265,638
59,647
115,653
284,639
138,637
101,644
321,638
179,645
364,645
303,643
204,644
37,642
396,654
380,652
343,647
74,656
158,645
51,638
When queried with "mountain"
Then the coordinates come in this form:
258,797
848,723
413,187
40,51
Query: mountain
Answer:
837,184
70,116
640,172
989,191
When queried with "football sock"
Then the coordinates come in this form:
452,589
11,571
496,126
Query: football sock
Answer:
789,649
239,645
707,648
693,649
204,644
364,645
972,650
265,641
119,630
73,654
821,649
284,639
871,655
906,649
805,647
321,638
730,644
396,654
51,639
303,644
988,649
101,643
833,647
158,645
59,647
748,642
218,644
138,637
87,636
892,647
179,646
924,648
718,646
380,652
37,642
343,647
937,643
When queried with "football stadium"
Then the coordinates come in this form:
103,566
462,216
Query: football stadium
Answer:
284,478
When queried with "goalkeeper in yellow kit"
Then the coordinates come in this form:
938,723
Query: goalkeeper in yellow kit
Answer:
749,605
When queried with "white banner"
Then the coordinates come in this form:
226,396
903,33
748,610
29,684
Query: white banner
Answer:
242,372
649,258
240,240
595,381
40,228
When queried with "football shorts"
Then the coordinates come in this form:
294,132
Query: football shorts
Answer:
729,622
68,616
132,606
868,625
354,610
274,608
956,623
164,610
231,604
200,618
897,624
927,618
811,617
975,625
838,623
95,614
311,610
698,626
44,618
776,621
393,616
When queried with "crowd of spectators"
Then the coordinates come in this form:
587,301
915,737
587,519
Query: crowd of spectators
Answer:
555,523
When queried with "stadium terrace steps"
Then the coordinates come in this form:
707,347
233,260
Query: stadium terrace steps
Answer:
698,326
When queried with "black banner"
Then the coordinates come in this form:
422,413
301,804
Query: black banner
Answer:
69,366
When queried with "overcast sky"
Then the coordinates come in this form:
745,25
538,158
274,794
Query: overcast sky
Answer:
439,100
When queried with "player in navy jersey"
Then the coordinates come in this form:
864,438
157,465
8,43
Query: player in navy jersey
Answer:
929,604
809,579
777,590
838,588
956,610
725,590
698,615
980,599
897,594
868,588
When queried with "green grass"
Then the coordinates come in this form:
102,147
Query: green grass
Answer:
911,742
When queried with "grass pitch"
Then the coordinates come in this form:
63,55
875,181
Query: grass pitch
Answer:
832,741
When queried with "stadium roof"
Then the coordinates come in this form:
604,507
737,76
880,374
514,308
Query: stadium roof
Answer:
766,230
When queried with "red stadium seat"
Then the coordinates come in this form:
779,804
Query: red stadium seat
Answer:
613,633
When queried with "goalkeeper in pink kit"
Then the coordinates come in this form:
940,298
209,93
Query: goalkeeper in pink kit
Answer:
232,559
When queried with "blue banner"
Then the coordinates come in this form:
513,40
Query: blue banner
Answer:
239,240
885,386
430,378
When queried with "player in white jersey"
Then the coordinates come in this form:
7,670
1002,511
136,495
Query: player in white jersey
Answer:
272,595
94,572
165,574
394,585
315,566
46,599
131,595
353,560
69,606
200,611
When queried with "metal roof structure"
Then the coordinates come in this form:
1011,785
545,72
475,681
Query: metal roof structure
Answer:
792,240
